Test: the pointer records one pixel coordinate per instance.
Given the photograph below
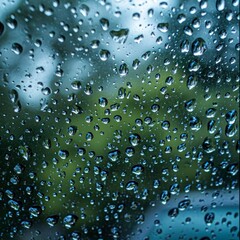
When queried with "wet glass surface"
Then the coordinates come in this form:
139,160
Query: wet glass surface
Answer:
119,119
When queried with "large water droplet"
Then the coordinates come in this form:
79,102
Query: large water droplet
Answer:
137,169
120,36
1,28
17,48
35,211
104,54
131,185
209,218
63,154
199,47
104,23
163,27
70,220
52,220
220,5
134,139
114,155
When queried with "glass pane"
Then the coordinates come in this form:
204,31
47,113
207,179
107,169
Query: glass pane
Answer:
119,119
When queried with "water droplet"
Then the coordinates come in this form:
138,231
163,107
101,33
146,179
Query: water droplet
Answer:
129,151
52,220
182,205
120,36
131,185
13,95
12,23
19,168
165,197
76,85
220,5
173,212
123,70
195,123
163,27
26,224
185,46
181,18
14,204
135,64
192,82
208,145
104,23
174,189
121,93
1,28
114,155
95,44
199,47
188,30
191,105
210,113
134,139
104,54
231,130
25,152
72,130
155,108
46,91
165,125
231,116
84,10
137,169
70,220
212,126
194,66
17,48
89,136
63,154
233,169
209,218
35,211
